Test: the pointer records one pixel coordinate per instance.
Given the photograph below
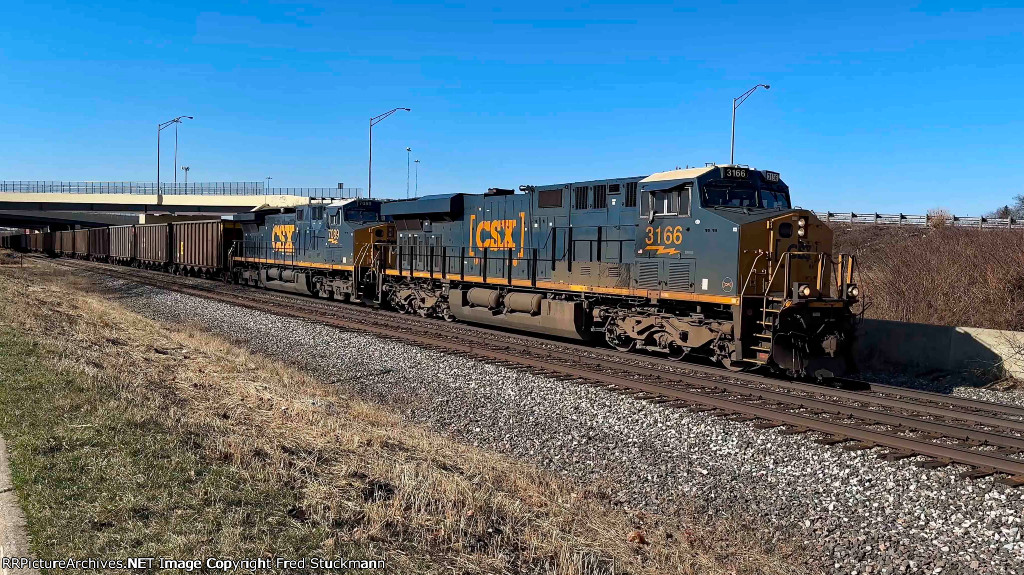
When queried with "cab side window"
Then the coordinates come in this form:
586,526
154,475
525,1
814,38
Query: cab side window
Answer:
673,202
664,203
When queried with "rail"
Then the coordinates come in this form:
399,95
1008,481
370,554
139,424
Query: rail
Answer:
170,189
928,220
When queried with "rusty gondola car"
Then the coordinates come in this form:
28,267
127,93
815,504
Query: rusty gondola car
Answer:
202,247
99,244
81,243
122,244
153,246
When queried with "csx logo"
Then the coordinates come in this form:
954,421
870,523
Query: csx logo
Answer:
282,238
497,234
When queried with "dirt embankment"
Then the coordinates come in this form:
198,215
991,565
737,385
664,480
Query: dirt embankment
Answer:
944,276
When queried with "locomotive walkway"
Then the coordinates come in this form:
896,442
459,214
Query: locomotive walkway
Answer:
986,437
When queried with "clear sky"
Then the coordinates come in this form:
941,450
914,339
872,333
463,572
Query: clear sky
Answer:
891,107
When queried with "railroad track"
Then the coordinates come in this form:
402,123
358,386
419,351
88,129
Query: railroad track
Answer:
986,437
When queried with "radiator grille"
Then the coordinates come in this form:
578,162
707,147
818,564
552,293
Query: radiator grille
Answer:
647,274
679,275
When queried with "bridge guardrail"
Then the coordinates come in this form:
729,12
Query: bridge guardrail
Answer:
931,220
197,189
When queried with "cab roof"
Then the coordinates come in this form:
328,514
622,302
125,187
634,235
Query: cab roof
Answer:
687,173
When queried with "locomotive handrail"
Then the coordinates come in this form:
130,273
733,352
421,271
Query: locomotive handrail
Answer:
750,273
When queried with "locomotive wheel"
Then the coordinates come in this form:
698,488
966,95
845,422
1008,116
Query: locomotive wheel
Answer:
676,352
617,340
734,366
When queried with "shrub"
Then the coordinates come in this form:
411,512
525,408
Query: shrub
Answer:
939,217
945,276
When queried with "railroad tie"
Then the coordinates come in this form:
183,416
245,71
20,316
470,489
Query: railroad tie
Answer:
933,463
1013,480
859,446
978,472
896,455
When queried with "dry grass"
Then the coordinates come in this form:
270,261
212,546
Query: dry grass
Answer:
189,446
944,276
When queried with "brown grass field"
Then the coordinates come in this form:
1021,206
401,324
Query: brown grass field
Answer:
130,437
943,276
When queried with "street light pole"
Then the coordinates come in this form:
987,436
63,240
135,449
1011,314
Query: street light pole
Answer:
736,102
417,162
266,188
159,128
408,165
373,122
186,169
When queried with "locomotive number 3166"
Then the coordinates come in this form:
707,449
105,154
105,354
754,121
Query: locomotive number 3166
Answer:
669,235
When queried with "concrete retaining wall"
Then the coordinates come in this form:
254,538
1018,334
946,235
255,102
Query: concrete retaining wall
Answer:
920,349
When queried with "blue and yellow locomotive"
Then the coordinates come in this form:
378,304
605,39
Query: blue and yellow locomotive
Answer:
708,261
711,262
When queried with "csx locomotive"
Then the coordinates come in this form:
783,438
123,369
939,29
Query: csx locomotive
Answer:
712,262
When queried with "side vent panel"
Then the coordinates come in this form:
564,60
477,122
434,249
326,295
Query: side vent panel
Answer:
647,274
680,276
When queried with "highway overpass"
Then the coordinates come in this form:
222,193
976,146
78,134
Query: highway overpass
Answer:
59,204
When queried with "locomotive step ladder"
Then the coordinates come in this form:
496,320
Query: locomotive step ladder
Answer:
773,304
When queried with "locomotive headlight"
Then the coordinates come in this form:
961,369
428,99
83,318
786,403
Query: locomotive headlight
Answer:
853,290
804,291
801,232
801,222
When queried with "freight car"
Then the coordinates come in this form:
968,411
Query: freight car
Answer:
81,243
64,243
201,248
152,246
41,242
13,240
99,244
122,244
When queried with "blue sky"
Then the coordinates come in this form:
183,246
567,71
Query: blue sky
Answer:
892,106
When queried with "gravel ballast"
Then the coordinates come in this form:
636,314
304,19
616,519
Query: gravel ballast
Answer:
861,514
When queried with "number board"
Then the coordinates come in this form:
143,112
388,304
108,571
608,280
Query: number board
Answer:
770,176
734,173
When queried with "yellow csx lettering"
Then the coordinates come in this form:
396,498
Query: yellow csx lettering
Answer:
498,234
282,238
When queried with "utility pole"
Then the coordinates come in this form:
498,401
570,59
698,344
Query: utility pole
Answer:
408,155
159,128
736,104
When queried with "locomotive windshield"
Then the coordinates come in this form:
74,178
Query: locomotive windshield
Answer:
360,213
721,194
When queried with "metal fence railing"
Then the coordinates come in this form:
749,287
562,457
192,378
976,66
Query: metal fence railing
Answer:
933,220
196,188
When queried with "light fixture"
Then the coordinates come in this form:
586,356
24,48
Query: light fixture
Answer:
853,290
804,291
801,232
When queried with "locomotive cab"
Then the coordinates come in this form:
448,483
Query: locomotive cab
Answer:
766,286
